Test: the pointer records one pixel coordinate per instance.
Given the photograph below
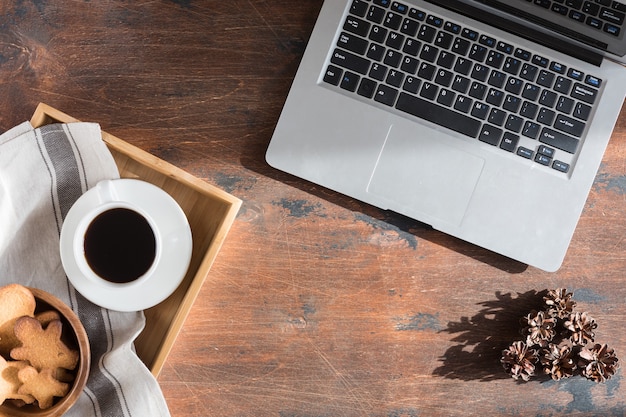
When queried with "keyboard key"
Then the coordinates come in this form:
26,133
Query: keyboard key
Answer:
512,103
490,134
434,20
349,81
514,123
593,81
378,72
333,75
575,74
386,95
350,61
531,130
509,142
392,58
497,79
568,125
514,85
480,72
359,7
522,54
429,53
558,67
367,88
463,66
409,65
560,166
426,33
545,79
540,61
383,3
546,116
429,90
548,98
395,78
542,159
426,71
460,84
411,84
497,117
584,93
439,115
352,43
446,59
565,105
411,47
399,7
460,46
417,14
478,90
544,150
529,72
582,111
478,53
409,27
563,85
446,97
444,40
558,140
357,26
378,34
392,21
375,14
395,40
375,52
463,104
529,110
444,77
525,152
480,110
495,97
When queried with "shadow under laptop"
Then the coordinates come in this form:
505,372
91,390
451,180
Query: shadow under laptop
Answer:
480,339
377,217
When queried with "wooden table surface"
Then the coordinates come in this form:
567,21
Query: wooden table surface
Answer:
317,305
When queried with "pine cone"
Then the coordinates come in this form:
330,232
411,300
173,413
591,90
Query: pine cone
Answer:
559,302
598,363
557,361
582,326
519,360
539,328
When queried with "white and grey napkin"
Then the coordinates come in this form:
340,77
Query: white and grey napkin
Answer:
42,172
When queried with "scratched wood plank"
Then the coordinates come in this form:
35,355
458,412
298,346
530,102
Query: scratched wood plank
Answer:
317,305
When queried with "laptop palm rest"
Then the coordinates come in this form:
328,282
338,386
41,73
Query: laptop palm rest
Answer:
424,178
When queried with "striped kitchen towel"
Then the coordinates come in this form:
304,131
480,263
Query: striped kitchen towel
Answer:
42,173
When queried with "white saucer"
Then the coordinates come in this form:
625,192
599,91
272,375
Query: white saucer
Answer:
170,267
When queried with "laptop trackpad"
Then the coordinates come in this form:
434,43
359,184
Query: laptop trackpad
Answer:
420,175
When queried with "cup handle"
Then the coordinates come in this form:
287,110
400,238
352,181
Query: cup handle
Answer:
106,191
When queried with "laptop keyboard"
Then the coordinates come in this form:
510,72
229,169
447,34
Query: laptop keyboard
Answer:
484,88
604,15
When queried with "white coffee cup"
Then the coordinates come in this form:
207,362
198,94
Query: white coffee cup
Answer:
126,244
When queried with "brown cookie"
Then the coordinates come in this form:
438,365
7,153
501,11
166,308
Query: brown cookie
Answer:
43,348
15,301
10,383
41,385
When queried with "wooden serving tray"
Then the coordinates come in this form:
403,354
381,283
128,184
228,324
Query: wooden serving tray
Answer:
210,212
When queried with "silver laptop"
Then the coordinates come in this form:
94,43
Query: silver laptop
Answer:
485,119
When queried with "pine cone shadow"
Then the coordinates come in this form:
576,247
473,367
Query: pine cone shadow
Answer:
481,338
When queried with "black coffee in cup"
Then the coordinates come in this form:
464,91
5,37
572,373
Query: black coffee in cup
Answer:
120,245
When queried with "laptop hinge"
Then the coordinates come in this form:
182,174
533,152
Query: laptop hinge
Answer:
526,32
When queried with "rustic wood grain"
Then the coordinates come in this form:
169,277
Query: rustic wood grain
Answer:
317,305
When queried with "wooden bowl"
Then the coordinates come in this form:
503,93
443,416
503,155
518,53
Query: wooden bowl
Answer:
75,337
